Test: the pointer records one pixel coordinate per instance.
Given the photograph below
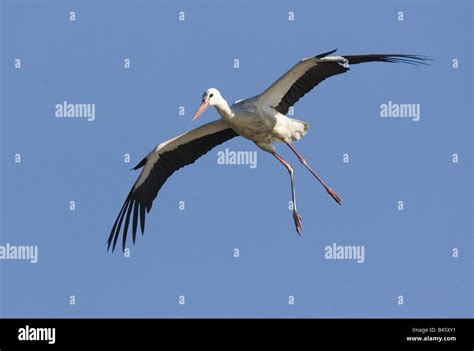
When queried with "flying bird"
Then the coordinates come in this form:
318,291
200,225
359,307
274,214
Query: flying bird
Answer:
260,119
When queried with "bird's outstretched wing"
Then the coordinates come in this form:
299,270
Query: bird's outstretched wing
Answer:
158,166
309,72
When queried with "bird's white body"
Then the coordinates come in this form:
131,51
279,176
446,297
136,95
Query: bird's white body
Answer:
253,119
260,119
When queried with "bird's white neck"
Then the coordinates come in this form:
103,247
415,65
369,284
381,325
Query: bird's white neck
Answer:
223,109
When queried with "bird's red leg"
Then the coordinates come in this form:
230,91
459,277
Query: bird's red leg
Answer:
303,161
296,216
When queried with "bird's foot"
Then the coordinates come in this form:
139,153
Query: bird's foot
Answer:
334,195
297,218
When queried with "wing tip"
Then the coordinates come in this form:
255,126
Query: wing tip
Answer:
417,60
115,232
326,54
108,246
140,164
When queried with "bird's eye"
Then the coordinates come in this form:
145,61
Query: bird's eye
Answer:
211,95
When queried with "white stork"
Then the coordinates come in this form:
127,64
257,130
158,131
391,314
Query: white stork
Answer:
260,119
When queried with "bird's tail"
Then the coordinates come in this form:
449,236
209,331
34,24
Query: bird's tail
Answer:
299,129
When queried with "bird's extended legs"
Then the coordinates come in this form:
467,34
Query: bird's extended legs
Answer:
296,216
303,161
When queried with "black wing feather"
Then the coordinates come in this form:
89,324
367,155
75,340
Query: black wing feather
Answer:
322,70
140,199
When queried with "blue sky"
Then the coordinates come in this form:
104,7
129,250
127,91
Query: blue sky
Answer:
190,252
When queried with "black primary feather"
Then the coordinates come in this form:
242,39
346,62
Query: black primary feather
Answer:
140,199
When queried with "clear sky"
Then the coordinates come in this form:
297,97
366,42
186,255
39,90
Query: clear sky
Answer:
417,260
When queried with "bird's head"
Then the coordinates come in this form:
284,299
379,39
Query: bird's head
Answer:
211,97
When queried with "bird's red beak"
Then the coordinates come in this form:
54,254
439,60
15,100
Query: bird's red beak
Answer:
201,109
